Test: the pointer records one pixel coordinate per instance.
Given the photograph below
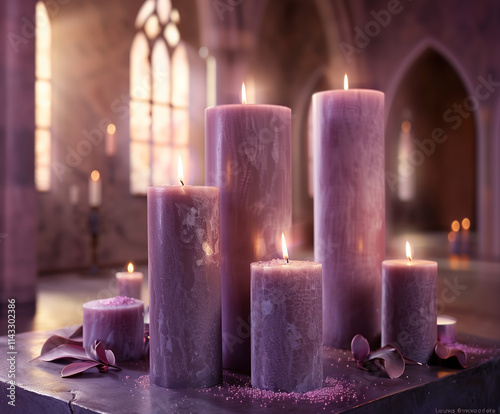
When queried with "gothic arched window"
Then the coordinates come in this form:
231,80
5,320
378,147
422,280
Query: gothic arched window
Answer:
159,98
43,98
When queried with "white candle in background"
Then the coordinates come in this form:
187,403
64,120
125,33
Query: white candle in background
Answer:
95,189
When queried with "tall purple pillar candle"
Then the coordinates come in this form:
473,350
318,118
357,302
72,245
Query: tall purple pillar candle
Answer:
409,307
116,322
248,150
349,210
287,341
184,286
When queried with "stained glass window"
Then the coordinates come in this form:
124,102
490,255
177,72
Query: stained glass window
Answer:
159,98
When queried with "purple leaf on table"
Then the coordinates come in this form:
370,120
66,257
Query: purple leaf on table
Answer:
444,352
77,367
55,341
360,348
392,360
65,351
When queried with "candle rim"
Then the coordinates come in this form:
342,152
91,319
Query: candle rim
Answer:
160,187
278,262
247,105
343,91
412,263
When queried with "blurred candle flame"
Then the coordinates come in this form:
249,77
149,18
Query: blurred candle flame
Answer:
408,250
455,226
179,170
466,223
243,94
95,175
285,250
130,267
346,82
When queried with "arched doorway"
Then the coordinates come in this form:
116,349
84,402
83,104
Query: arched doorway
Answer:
430,149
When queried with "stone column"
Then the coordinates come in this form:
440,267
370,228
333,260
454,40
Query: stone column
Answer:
18,208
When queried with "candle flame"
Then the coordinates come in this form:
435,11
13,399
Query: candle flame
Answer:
466,223
111,129
130,267
408,250
179,170
285,250
95,175
455,226
243,93
346,82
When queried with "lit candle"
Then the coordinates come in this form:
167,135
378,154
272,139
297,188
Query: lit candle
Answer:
248,155
287,340
110,140
409,289
446,329
129,282
184,285
95,189
116,322
349,210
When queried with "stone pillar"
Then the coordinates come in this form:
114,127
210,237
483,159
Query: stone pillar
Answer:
18,208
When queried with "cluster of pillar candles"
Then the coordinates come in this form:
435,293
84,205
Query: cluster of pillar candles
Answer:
223,292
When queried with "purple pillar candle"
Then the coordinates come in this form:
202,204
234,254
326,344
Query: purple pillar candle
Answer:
184,286
116,322
349,210
129,282
287,339
409,307
248,157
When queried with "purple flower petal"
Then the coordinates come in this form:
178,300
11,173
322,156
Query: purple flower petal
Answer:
101,352
392,360
444,352
77,367
56,340
360,347
65,351
110,356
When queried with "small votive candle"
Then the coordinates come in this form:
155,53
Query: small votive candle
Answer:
446,329
129,282
116,322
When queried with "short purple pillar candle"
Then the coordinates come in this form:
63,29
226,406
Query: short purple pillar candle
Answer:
409,306
129,282
116,322
184,286
349,210
248,155
287,338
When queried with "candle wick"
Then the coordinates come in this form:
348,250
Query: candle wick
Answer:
287,260
182,182
409,258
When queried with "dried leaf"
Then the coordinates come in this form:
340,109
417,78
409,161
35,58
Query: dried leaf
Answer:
444,352
78,334
65,351
77,367
392,360
360,347
56,340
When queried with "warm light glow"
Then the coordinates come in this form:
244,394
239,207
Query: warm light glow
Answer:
346,82
406,126
95,175
466,223
180,172
243,93
130,267
408,250
455,226
111,128
283,245
452,236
